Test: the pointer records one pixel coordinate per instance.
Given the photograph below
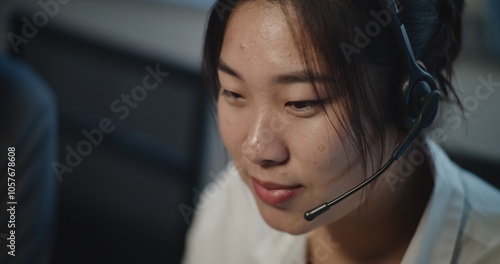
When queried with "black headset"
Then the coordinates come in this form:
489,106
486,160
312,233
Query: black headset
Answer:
419,86
418,98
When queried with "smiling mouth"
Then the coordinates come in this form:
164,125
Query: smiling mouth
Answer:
273,193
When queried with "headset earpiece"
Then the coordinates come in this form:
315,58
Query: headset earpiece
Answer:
419,86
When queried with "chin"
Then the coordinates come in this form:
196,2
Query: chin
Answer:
285,221
292,229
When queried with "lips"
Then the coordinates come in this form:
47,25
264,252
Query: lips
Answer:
273,193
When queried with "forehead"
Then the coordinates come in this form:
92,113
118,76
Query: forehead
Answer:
259,31
263,18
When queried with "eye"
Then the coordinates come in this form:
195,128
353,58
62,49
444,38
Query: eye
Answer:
303,105
305,108
232,97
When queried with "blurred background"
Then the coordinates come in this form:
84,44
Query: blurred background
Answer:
131,199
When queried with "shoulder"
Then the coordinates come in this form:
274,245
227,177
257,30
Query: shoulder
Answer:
481,221
222,221
478,239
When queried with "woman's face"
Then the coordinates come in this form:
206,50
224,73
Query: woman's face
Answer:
284,145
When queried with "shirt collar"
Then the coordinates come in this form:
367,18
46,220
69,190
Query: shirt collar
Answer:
437,234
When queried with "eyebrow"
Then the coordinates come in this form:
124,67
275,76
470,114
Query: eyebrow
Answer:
287,78
225,68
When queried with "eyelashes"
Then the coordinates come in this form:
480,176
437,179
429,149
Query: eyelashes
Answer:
301,108
306,108
233,95
304,105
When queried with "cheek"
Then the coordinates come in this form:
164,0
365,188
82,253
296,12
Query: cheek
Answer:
316,144
231,129
324,156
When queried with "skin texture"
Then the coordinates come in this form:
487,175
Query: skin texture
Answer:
275,130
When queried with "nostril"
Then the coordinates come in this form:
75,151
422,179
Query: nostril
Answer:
266,163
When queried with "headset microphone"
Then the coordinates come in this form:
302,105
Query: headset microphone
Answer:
423,120
420,99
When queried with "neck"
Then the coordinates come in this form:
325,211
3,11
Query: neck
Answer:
383,226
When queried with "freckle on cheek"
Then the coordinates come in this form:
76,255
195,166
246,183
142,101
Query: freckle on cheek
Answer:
321,148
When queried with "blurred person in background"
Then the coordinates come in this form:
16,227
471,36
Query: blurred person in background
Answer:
28,127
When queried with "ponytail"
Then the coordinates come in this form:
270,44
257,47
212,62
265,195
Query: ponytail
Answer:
443,46
449,41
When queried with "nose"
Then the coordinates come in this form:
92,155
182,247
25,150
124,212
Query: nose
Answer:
264,145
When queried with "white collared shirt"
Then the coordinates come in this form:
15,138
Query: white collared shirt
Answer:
461,224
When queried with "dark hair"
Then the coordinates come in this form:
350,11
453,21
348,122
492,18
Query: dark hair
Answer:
363,78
